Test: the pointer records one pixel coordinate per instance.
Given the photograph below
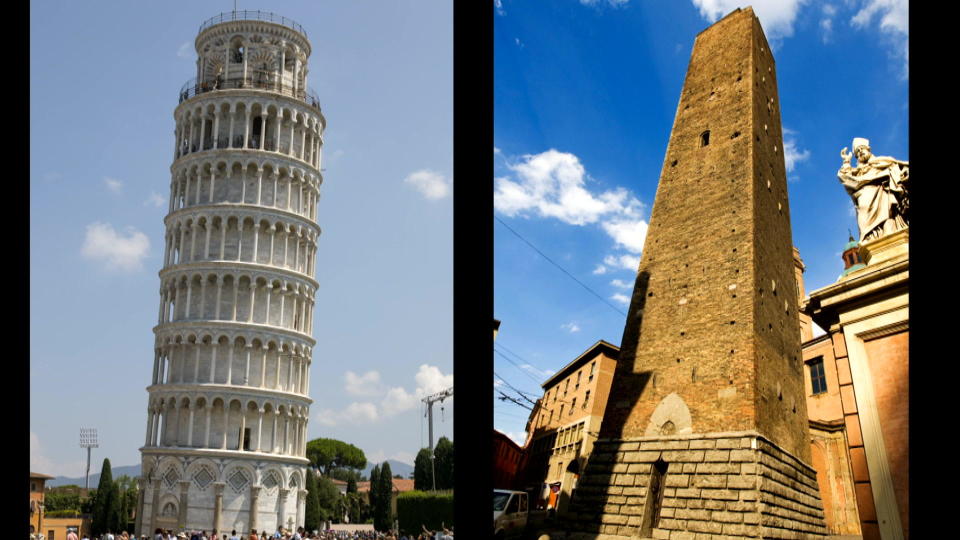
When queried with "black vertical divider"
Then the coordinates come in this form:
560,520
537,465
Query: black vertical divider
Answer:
473,266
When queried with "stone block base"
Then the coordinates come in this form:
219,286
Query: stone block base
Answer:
724,485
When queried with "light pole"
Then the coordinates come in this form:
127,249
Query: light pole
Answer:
88,440
430,400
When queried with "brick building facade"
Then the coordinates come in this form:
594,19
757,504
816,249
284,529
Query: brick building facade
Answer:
564,424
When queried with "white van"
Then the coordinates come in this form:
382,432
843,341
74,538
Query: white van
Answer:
510,512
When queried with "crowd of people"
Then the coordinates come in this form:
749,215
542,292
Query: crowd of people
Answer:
281,534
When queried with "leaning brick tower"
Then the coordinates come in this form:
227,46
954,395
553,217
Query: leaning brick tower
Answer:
229,396
705,429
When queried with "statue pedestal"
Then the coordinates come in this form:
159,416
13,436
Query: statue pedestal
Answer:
887,248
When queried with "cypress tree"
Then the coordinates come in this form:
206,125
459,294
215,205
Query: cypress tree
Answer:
104,505
385,495
375,493
311,514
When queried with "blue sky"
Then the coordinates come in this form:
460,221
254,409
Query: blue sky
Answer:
585,93
104,83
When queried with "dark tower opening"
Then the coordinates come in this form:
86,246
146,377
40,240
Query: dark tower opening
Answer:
651,509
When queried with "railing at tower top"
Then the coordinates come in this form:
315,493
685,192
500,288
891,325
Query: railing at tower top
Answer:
260,80
249,15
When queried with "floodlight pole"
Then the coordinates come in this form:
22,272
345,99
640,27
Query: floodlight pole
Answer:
88,440
430,400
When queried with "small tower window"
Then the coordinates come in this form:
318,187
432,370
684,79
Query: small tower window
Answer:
705,138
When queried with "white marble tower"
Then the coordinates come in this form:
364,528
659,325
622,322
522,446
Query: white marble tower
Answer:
229,396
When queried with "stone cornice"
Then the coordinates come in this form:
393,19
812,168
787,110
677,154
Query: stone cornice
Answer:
217,154
236,267
199,324
229,389
217,453
251,210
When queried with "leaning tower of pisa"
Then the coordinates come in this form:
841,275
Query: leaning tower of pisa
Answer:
229,395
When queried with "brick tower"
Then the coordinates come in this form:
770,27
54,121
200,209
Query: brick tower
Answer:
706,425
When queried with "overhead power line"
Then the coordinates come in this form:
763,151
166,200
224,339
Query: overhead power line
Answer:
506,397
562,269
524,371
513,388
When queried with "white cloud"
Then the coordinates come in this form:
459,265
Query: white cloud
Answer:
792,155
155,199
430,184
497,383
894,25
367,384
624,261
431,380
621,298
630,234
553,184
113,184
185,50
499,5
570,327
397,401
518,42
360,412
826,23
326,417
123,252
776,16
622,284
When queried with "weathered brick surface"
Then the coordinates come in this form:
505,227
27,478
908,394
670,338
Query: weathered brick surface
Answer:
715,291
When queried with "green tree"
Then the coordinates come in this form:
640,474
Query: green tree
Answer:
374,493
443,456
57,501
422,473
328,454
383,513
328,498
351,486
106,504
311,514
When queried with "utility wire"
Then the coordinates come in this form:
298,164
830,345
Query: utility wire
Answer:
551,261
522,359
513,388
508,359
505,397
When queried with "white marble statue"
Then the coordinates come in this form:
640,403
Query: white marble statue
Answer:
878,186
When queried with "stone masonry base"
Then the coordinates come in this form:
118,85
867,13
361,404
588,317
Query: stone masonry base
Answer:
722,485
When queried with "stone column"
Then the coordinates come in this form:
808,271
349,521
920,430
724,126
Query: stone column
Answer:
254,503
138,526
206,429
259,430
223,235
218,506
154,504
256,240
216,129
236,297
184,501
283,506
216,313
301,504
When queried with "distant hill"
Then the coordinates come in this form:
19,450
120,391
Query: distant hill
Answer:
396,467
132,471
